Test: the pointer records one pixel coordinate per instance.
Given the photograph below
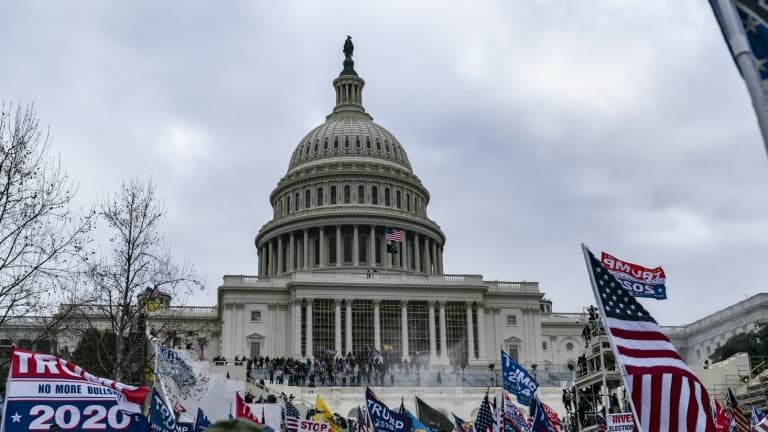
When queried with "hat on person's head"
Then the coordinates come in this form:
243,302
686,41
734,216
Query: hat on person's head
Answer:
237,425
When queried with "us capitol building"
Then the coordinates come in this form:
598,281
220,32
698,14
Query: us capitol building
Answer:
351,262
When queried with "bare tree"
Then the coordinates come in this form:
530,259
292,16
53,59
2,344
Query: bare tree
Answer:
41,238
138,262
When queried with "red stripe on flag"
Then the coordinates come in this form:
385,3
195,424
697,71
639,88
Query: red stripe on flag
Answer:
674,402
639,335
640,353
656,402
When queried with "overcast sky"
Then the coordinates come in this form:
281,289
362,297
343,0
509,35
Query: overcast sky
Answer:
535,125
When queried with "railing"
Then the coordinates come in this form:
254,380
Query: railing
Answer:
527,287
568,316
731,311
27,321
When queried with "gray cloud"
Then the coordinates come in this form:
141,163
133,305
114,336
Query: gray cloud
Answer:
535,126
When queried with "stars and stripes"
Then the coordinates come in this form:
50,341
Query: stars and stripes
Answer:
552,416
762,426
666,394
737,415
292,416
361,423
394,234
602,425
484,420
757,416
539,419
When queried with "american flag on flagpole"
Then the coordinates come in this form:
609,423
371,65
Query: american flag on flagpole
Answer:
665,394
292,416
737,415
552,416
762,426
394,234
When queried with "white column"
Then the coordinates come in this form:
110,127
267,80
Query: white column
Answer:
339,256
337,326
349,325
427,258
416,252
433,258
404,251
372,258
470,334
297,328
305,250
404,329
310,351
292,253
443,337
280,261
271,264
432,332
376,325
355,247
481,332
323,249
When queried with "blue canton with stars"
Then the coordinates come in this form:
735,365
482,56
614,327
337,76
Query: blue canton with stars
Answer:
617,302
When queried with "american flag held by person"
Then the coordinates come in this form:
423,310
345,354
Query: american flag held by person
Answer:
292,416
666,395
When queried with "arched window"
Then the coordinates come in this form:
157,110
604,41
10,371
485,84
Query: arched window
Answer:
296,205
368,142
387,199
320,196
357,141
288,204
346,141
408,202
375,195
347,194
307,197
387,144
361,194
398,201
325,144
336,142
315,147
378,145
333,194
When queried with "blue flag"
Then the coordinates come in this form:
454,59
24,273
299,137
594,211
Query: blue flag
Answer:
185,427
201,421
517,380
161,417
383,418
463,425
416,425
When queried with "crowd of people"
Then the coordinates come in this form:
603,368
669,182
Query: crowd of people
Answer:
341,370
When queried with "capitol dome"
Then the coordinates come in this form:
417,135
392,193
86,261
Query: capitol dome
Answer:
350,199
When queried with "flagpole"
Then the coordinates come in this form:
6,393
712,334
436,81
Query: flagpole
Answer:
742,53
607,329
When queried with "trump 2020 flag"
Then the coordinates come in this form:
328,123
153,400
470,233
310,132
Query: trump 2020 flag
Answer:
517,380
637,280
384,419
44,390
161,418
666,395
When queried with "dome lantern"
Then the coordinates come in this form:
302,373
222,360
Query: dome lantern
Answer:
349,86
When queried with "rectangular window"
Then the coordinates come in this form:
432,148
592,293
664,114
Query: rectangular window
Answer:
513,351
255,315
544,345
511,320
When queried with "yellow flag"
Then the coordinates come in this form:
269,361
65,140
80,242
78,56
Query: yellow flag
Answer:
324,414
